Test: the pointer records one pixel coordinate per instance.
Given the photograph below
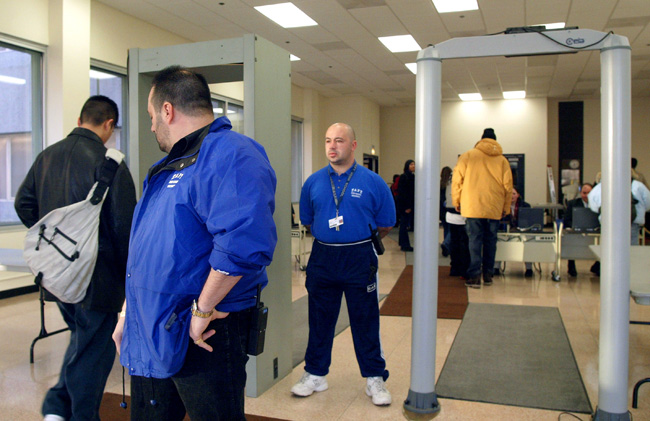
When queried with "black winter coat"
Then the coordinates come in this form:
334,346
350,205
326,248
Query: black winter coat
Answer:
63,174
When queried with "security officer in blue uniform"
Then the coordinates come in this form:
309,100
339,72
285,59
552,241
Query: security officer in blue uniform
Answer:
343,203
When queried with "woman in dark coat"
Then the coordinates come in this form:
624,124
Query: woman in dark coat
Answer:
406,203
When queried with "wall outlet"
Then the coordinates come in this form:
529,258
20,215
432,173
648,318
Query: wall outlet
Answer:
275,367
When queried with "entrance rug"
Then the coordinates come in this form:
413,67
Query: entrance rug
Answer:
452,295
110,410
300,309
514,355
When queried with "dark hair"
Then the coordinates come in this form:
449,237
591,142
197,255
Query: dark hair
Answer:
97,109
445,175
586,184
407,164
395,177
634,162
489,134
184,89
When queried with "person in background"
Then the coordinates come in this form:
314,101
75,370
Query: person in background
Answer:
579,202
203,234
513,220
445,185
640,195
481,192
458,242
393,190
406,204
637,175
342,203
61,175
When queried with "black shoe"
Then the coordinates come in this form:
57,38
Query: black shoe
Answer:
529,273
407,248
445,250
595,268
473,282
487,279
497,272
572,272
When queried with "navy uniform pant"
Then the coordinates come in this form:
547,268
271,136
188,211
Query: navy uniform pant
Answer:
334,270
86,365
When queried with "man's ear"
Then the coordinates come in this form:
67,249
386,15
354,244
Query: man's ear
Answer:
109,124
79,122
167,112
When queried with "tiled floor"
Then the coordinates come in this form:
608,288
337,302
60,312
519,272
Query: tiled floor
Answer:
23,385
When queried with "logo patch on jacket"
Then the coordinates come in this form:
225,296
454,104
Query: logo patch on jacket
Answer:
175,179
356,193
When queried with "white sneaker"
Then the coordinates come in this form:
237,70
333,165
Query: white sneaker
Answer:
53,417
309,384
376,389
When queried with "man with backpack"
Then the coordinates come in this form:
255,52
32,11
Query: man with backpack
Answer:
61,175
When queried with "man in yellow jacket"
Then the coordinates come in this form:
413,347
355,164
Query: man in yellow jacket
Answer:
481,192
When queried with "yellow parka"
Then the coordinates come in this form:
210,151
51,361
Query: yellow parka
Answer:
482,182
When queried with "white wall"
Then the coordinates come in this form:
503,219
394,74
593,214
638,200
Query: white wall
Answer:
520,126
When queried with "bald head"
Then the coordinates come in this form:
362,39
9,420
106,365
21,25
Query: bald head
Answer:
340,143
345,127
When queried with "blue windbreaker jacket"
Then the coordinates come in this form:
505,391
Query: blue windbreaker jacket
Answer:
210,206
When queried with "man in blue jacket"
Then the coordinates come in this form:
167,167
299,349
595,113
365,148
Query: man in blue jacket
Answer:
202,236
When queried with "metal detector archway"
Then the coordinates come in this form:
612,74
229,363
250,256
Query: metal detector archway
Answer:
615,233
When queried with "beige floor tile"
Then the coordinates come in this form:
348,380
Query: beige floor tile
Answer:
22,385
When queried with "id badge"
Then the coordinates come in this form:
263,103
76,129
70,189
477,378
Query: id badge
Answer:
336,222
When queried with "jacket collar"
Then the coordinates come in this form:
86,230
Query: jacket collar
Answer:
83,132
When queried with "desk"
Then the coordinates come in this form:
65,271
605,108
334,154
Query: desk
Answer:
639,290
527,247
12,260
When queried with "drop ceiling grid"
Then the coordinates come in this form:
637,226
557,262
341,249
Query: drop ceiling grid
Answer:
379,21
421,19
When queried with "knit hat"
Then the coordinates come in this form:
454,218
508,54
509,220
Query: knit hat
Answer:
489,133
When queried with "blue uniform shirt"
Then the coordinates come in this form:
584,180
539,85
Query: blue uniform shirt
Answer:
367,201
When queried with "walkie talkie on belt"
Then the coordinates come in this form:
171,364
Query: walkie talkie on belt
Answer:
257,331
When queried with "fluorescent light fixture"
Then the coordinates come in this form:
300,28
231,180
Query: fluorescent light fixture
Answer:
449,6
413,67
557,25
217,110
293,58
400,43
287,15
514,94
470,97
96,74
12,80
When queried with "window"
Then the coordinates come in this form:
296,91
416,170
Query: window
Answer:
112,84
21,126
222,106
296,159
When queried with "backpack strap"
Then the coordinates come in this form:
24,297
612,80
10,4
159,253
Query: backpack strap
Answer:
106,174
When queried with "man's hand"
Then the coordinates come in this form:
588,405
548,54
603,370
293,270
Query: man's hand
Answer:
457,208
408,211
198,326
117,333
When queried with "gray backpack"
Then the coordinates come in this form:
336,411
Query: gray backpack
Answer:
61,248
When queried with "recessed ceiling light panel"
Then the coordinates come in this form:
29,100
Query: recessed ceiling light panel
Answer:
471,97
514,94
293,58
400,43
413,67
287,15
449,6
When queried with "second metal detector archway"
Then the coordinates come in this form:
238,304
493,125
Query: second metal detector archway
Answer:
615,163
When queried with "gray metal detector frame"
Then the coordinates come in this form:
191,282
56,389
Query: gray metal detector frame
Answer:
266,72
615,164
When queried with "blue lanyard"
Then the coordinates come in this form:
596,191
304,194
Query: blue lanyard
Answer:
338,200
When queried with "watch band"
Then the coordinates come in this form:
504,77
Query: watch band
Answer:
198,313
